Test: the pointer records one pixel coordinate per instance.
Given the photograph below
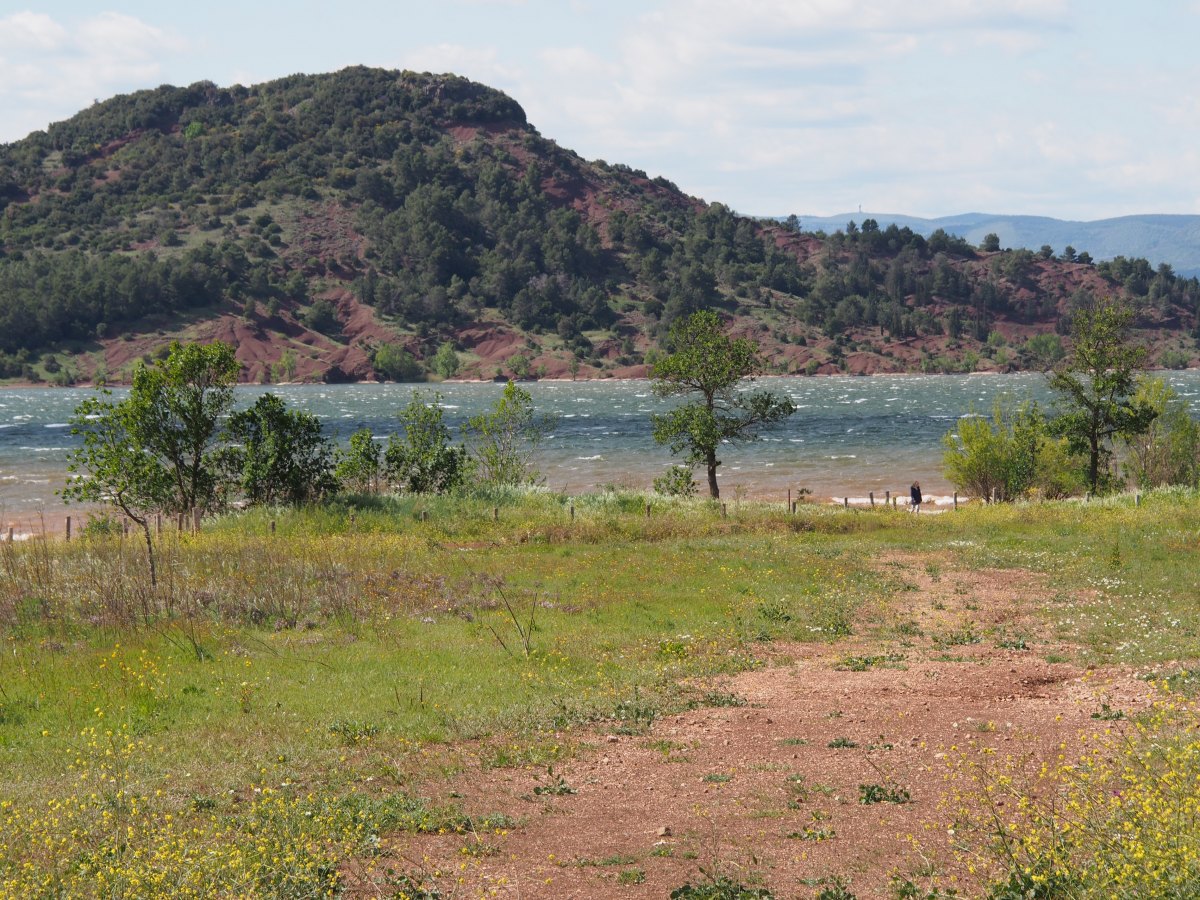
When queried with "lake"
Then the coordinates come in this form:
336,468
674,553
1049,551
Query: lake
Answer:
848,437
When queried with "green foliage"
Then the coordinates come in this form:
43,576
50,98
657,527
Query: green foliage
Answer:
279,455
395,363
357,468
322,317
720,887
1043,350
423,461
156,448
677,481
1168,451
1007,456
705,361
1173,358
445,361
1096,384
504,440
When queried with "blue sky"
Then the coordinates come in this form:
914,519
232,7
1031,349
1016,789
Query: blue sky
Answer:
1063,108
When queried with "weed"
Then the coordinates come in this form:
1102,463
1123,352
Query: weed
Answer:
720,887
863,663
841,743
792,742
631,876
717,778
716,699
1107,714
353,733
879,793
813,834
957,638
557,788
836,888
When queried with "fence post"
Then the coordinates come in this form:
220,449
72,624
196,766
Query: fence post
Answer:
68,528
846,502
495,514
272,526
179,521
572,512
956,499
871,494
10,534
724,511
793,507
1137,499
790,500
647,510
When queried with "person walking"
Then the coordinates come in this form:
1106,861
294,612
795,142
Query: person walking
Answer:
914,494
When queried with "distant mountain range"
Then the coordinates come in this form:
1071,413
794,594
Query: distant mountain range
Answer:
1159,238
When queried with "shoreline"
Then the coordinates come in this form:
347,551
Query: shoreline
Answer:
46,523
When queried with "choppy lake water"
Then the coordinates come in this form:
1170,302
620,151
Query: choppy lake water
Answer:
849,435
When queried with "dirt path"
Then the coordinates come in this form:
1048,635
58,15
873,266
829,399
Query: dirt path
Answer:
749,790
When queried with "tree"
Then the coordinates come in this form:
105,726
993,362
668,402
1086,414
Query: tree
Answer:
280,455
173,413
1004,457
155,450
445,361
1095,384
423,461
395,363
706,361
357,468
504,440
1168,451
990,243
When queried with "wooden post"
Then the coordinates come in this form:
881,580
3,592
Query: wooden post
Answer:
196,520
10,534
792,508
895,502
272,526
572,512
724,511
424,515
68,528
871,494
495,514
179,521
846,502
647,510
956,499
1137,499
352,519
887,498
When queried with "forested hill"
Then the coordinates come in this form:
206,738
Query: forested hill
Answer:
368,222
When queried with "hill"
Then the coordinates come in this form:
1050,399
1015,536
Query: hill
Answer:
1174,240
367,223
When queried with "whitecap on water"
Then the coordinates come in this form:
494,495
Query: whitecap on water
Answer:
57,425
589,458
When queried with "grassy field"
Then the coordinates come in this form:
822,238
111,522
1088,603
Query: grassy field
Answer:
299,683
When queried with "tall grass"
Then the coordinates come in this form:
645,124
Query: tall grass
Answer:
374,642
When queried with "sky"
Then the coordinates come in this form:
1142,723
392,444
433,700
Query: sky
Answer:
1075,109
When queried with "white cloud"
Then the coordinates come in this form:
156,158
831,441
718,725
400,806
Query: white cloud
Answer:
33,30
50,69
